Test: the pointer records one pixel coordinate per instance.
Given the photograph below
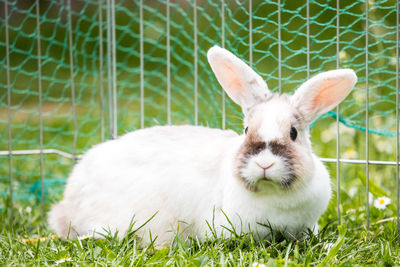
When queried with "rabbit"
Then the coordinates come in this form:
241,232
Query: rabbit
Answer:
197,182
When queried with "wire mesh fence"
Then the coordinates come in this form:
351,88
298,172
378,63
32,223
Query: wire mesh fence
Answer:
75,73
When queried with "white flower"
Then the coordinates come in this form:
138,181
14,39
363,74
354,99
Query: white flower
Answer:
348,131
28,209
343,55
360,97
384,146
382,202
350,153
352,191
63,260
83,237
327,135
256,264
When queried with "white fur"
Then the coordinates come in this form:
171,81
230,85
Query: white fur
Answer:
184,176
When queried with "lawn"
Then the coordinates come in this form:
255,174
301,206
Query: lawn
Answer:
28,243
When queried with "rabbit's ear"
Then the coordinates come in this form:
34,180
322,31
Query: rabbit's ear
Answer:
323,92
239,81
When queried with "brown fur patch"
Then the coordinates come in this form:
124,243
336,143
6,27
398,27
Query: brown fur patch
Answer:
280,148
286,151
252,145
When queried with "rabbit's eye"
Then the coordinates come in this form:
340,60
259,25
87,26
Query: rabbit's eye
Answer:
245,130
293,133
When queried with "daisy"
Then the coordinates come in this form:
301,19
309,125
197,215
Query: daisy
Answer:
343,55
351,153
256,264
381,202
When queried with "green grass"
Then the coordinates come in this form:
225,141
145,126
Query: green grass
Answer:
29,242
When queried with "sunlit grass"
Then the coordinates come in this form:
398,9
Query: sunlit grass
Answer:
28,242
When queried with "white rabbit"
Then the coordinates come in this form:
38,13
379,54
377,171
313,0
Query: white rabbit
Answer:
199,177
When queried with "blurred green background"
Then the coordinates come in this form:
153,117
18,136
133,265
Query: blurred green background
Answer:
229,28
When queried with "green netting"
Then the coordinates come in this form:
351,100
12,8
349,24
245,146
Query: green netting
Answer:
230,28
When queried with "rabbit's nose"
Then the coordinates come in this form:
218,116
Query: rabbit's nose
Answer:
265,166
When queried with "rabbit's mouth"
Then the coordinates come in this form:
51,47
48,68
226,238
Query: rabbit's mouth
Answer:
266,179
284,181
263,182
